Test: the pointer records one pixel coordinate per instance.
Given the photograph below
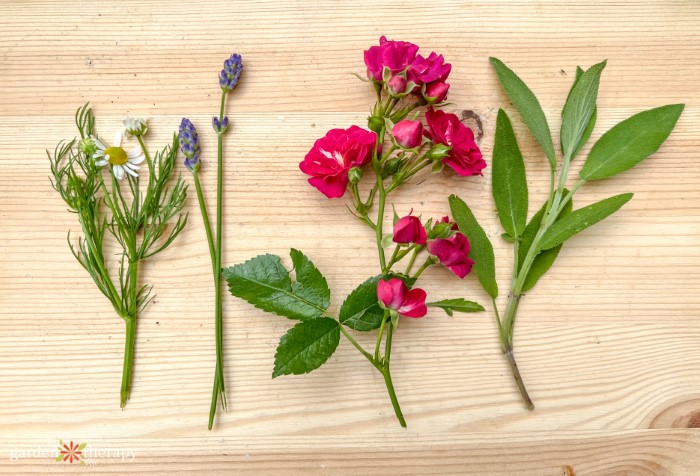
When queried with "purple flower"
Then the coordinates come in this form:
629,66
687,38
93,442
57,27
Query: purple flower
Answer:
189,144
219,126
228,78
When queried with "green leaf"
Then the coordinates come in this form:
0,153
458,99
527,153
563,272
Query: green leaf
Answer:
361,310
508,178
310,283
544,260
450,306
481,249
528,107
578,110
591,123
306,346
60,457
630,142
82,446
266,284
579,220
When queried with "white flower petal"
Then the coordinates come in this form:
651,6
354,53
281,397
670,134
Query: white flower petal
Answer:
102,162
100,145
99,153
118,138
130,172
131,166
118,171
134,153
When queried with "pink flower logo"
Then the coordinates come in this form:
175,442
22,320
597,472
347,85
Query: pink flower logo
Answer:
71,452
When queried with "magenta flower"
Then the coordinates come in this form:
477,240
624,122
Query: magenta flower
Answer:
331,158
436,92
395,295
430,69
453,253
464,156
395,55
409,229
408,134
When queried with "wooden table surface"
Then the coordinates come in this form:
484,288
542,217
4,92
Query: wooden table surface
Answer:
608,342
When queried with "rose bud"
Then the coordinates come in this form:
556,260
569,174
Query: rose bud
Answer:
409,229
436,92
408,134
395,295
397,85
453,253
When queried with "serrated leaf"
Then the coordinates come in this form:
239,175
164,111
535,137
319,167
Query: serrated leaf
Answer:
451,306
630,142
266,284
544,259
591,123
578,110
527,106
360,310
508,178
306,346
481,249
310,283
580,219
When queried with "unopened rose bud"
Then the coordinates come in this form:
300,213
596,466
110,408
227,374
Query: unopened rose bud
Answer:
397,85
375,124
355,175
408,134
391,166
438,152
436,92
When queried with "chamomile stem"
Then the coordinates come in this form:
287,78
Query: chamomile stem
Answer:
128,359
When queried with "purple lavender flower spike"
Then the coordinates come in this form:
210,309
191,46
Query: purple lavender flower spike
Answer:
228,78
189,144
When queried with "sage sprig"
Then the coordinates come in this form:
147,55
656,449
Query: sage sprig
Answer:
142,223
537,242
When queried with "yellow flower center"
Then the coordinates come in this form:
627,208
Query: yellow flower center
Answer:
117,155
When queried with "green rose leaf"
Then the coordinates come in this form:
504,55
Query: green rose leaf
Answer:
508,180
267,285
528,107
450,306
579,108
545,259
306,346
591,123
361,310
630,142
579,220
481,248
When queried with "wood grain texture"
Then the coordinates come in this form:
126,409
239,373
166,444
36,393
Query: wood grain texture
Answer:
608,342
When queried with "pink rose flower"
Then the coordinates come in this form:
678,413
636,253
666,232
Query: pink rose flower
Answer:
395,55
453,253
436,92
397,85
408,134
430,69
395,295
445,128
409,229
332,156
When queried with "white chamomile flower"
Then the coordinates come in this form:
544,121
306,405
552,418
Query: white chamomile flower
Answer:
122,162
136,126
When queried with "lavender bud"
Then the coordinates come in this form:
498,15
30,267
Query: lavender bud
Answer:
189,144
228,78
219,126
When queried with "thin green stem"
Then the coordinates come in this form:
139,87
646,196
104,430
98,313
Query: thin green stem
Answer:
425,266
380,335
127,370
358,346
416,251
207,224
380,222
386,372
